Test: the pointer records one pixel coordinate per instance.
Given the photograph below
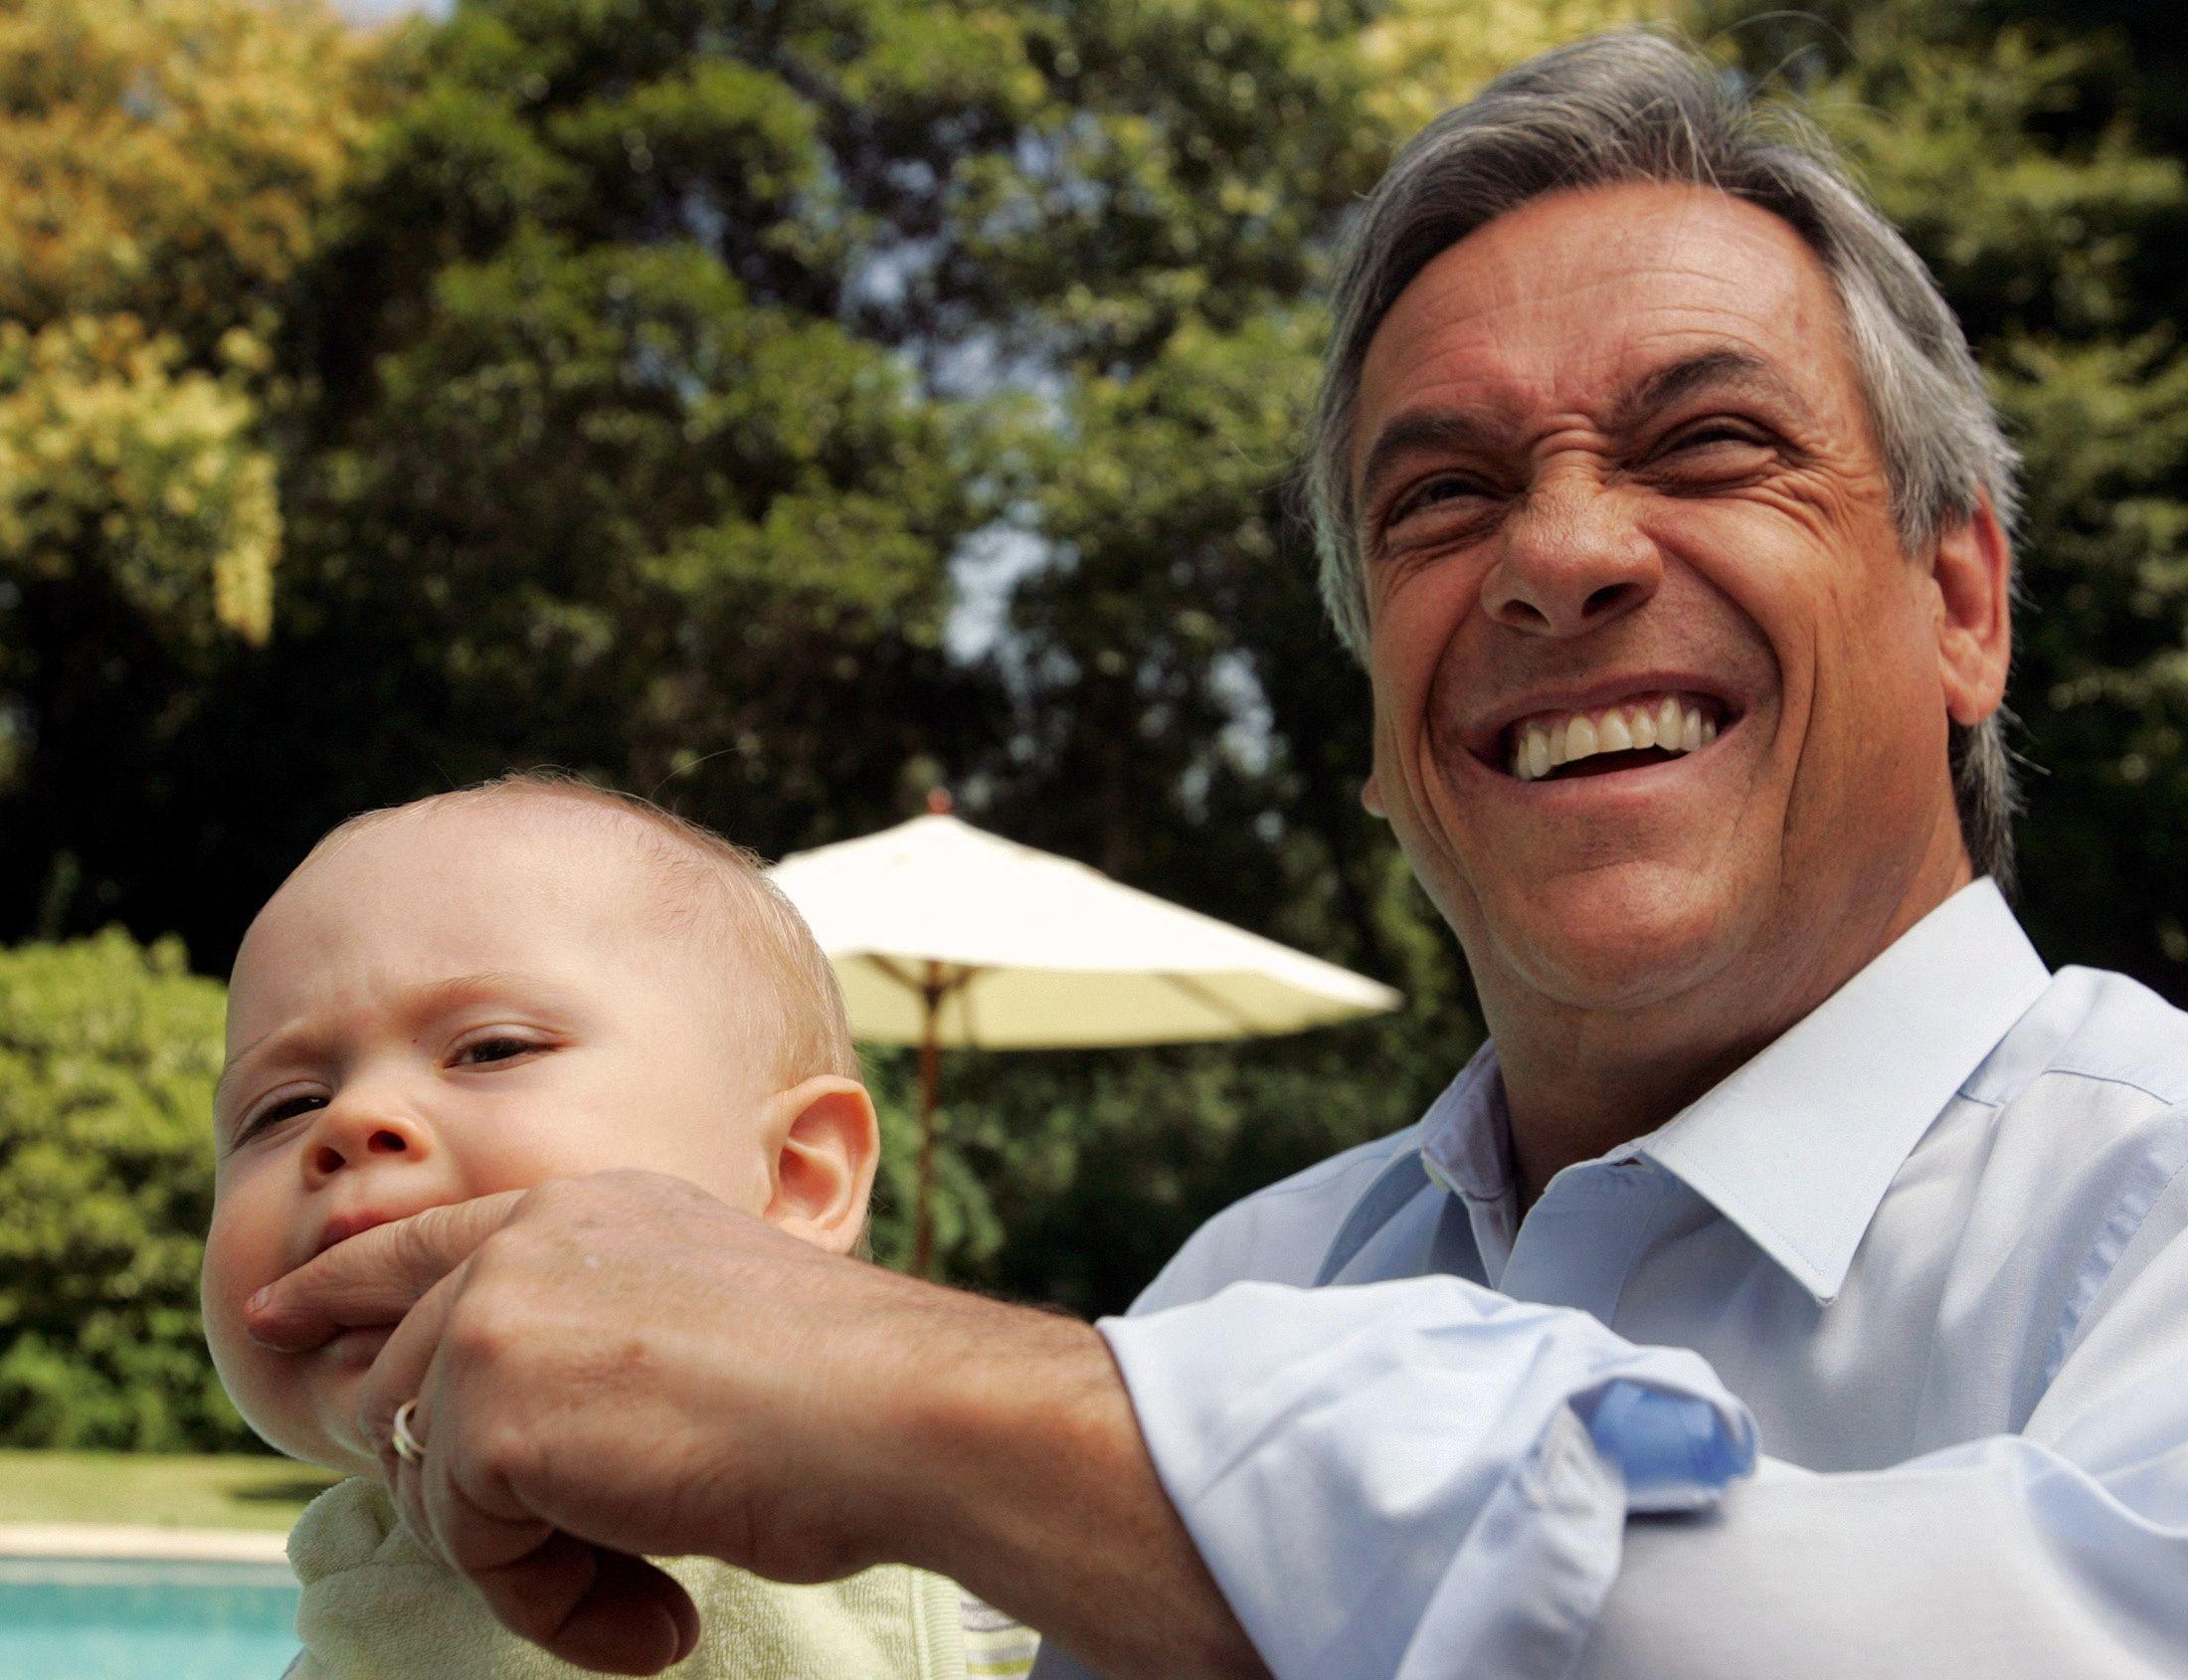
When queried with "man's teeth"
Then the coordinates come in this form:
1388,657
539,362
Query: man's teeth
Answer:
1676,723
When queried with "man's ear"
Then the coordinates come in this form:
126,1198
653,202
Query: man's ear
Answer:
1371,797
823,1145
1972,572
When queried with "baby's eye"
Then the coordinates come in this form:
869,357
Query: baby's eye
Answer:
502,1047
273,1113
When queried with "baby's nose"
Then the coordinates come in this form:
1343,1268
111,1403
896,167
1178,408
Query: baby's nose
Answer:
350,1133
380,1140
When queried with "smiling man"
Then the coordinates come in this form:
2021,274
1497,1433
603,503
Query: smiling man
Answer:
1795,1285
1645,642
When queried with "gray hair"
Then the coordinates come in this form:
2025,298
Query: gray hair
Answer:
1635,107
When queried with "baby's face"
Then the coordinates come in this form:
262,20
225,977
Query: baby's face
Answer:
453,1004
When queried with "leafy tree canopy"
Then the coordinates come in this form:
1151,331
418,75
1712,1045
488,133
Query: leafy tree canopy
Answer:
654,386
168,160
162,168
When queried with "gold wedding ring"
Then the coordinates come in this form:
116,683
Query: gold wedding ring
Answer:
408,1447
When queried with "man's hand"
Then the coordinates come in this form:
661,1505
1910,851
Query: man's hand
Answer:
617,1366
592,1362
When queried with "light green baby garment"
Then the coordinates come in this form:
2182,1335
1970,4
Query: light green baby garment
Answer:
377,1604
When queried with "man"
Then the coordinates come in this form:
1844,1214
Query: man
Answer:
1796,1284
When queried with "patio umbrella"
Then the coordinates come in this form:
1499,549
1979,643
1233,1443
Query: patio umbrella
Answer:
944,935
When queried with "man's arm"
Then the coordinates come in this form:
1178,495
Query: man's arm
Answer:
1419,1479
1038,1495
1405,1479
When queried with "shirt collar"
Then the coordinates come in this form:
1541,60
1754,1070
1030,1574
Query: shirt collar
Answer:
1798,1145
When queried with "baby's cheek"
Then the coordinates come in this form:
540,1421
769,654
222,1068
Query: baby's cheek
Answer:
264,1383
240,1361
290,1401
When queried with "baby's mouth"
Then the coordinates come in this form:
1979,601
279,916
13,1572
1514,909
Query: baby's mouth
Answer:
343,1226
356,1344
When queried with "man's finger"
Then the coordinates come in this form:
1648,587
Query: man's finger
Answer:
374,1276
601,1610
397,1372
400,1374
470,1519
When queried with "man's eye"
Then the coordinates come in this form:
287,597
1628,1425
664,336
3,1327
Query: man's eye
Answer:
1715,434
501,1048
1430,494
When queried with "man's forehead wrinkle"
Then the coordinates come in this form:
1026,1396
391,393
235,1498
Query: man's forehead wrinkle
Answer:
1467,286
1696,243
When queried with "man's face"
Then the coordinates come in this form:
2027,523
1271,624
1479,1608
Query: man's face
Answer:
452,1003
1610,448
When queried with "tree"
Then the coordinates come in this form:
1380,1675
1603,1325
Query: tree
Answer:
641,384
168,160
161,166
615,453
108,1052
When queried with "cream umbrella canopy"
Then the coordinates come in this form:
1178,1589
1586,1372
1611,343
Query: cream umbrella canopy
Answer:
944,935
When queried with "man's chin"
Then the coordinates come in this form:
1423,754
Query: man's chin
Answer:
1621,937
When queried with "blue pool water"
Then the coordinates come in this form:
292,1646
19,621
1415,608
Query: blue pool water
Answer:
98,1620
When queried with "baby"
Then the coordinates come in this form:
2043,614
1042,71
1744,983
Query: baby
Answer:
526,979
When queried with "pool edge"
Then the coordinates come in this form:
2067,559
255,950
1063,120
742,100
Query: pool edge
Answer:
143,1541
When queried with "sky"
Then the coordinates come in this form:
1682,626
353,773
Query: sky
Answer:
380,11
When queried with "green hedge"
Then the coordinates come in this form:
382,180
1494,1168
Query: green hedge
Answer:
108,1052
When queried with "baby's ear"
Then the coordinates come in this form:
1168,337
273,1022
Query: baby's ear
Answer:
823,1145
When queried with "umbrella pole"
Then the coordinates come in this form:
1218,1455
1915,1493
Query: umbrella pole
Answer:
930,1070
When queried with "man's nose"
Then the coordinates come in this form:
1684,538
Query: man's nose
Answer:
353,1130
1571,558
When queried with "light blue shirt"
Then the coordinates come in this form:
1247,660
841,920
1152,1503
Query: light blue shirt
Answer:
1873,1361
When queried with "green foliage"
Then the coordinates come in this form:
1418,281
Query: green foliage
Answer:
1187,721
166,161
643,380
968,1230
161,165
108,1052
121,475
603,463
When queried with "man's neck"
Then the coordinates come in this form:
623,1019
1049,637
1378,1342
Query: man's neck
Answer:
1579,1082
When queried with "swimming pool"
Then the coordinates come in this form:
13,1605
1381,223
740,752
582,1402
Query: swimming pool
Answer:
107,1618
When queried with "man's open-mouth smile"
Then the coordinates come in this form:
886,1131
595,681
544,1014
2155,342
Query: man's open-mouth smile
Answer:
1646,729
1616,727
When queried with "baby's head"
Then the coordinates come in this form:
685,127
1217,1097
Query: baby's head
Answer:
487,989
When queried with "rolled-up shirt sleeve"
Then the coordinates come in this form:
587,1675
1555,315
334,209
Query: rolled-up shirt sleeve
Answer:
1424,1478
1418,1478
